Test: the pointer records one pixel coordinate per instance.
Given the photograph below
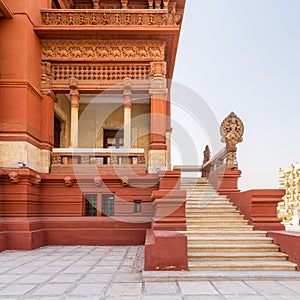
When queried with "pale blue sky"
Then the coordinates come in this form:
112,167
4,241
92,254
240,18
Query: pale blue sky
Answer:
244,56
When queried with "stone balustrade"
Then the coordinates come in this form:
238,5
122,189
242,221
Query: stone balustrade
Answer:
96,156
217,162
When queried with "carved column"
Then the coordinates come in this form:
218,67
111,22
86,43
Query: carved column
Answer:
124,4
157,4
150,3
127,115
96,4
74,97
158,102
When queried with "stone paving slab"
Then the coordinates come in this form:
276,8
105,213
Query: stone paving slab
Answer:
114,273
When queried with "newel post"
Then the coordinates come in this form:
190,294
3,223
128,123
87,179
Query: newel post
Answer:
225,178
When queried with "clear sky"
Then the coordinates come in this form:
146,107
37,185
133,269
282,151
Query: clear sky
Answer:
244,56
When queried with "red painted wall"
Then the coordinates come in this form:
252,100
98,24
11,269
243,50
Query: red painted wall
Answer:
289,243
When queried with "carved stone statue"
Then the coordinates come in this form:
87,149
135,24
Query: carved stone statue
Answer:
206,154
232,130
206,158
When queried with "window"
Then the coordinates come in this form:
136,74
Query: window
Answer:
90,204
108,205
137,206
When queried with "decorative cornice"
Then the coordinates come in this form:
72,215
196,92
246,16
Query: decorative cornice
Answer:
115,17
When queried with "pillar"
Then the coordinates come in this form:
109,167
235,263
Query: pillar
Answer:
74,98
127,116
158,110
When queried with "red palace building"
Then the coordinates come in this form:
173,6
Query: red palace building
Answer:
85,129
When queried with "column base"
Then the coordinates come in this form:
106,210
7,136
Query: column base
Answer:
157,160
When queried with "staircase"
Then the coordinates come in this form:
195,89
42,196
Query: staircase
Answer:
220,239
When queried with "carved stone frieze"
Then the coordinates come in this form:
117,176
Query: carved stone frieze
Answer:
102,50
117,17
232,130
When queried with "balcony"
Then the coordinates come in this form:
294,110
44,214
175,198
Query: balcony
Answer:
97,160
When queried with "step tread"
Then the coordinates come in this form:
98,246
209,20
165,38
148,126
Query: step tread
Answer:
220,238
242,263
226,232
236,254
232,247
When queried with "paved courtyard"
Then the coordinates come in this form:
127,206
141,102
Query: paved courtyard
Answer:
114,273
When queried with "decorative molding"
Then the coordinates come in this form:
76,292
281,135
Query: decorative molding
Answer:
69,182
102,50
113,17
21,84
158,69
14,177
62,72
125,181
98,181
35,179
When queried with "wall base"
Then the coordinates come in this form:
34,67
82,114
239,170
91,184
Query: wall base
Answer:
165,251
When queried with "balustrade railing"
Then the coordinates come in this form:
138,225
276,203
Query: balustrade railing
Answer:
217,162
86,156
91,72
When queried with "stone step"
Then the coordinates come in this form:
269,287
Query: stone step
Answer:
208,210
207,202
242,265
229,240
233,256
219,208
232,247
204,193
158,276
200,214
221,232
218,227
220,239
192,221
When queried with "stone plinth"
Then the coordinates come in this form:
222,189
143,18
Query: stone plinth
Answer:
260,207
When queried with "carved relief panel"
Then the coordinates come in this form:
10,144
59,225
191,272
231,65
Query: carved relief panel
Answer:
102,50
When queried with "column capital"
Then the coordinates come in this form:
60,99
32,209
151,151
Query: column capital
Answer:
74,93
158,69
127,94
74,97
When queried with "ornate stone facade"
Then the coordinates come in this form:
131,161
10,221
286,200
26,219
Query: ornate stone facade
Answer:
289,209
